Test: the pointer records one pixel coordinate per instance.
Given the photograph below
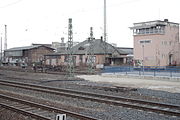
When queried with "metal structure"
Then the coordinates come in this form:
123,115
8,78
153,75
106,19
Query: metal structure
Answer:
91,58
139,104
1,50
70,64
5,38
105,33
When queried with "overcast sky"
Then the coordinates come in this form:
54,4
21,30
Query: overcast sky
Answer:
46,21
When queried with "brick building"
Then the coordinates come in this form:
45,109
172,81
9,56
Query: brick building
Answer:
156,43
114,55
28,54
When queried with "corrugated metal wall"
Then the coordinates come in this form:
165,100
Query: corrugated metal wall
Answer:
13,53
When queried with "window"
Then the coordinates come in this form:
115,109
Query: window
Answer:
93,59
81,58
152,30
170,43
81,48
164,56
165,43
66,59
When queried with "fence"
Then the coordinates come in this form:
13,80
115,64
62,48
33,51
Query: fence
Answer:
165,71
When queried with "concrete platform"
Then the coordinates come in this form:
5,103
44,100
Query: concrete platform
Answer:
170,85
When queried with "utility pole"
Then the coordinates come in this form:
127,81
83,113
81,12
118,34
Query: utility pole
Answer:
91,59
105,20
70,65
105,32
5,38
1,50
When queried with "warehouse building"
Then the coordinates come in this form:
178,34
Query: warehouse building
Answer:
28,54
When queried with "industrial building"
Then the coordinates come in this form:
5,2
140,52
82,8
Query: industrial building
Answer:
156,43
59,46
114,56
28,54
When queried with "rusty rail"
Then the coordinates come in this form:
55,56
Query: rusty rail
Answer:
168,109
40,106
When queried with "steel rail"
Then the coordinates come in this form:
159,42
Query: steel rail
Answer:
91,94
49,108
101,98
33,115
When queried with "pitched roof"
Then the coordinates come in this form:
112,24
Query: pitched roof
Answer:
25,48
125,50
48,45
98,47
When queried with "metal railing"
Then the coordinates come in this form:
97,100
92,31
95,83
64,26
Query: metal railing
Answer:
163,71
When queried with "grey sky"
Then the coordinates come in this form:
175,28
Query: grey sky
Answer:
46,21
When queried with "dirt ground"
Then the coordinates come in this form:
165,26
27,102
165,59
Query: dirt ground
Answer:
164,85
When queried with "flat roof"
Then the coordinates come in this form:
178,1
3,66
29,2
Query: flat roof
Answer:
25,48
157,21
149,24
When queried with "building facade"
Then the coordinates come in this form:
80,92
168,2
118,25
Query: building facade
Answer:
114,56
156,43
28,54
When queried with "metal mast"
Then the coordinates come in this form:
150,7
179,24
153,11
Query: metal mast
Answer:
105,33
105,20
1,50
70,65
91,52
5,38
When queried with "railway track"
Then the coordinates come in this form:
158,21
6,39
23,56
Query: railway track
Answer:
162,108
36,110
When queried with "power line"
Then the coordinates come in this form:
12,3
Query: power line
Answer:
10,4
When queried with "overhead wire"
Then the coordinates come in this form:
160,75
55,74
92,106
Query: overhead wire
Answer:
10,4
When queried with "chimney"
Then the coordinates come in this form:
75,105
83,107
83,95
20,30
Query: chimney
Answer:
62,40
165,20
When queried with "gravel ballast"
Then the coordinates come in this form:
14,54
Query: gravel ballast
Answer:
99,110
